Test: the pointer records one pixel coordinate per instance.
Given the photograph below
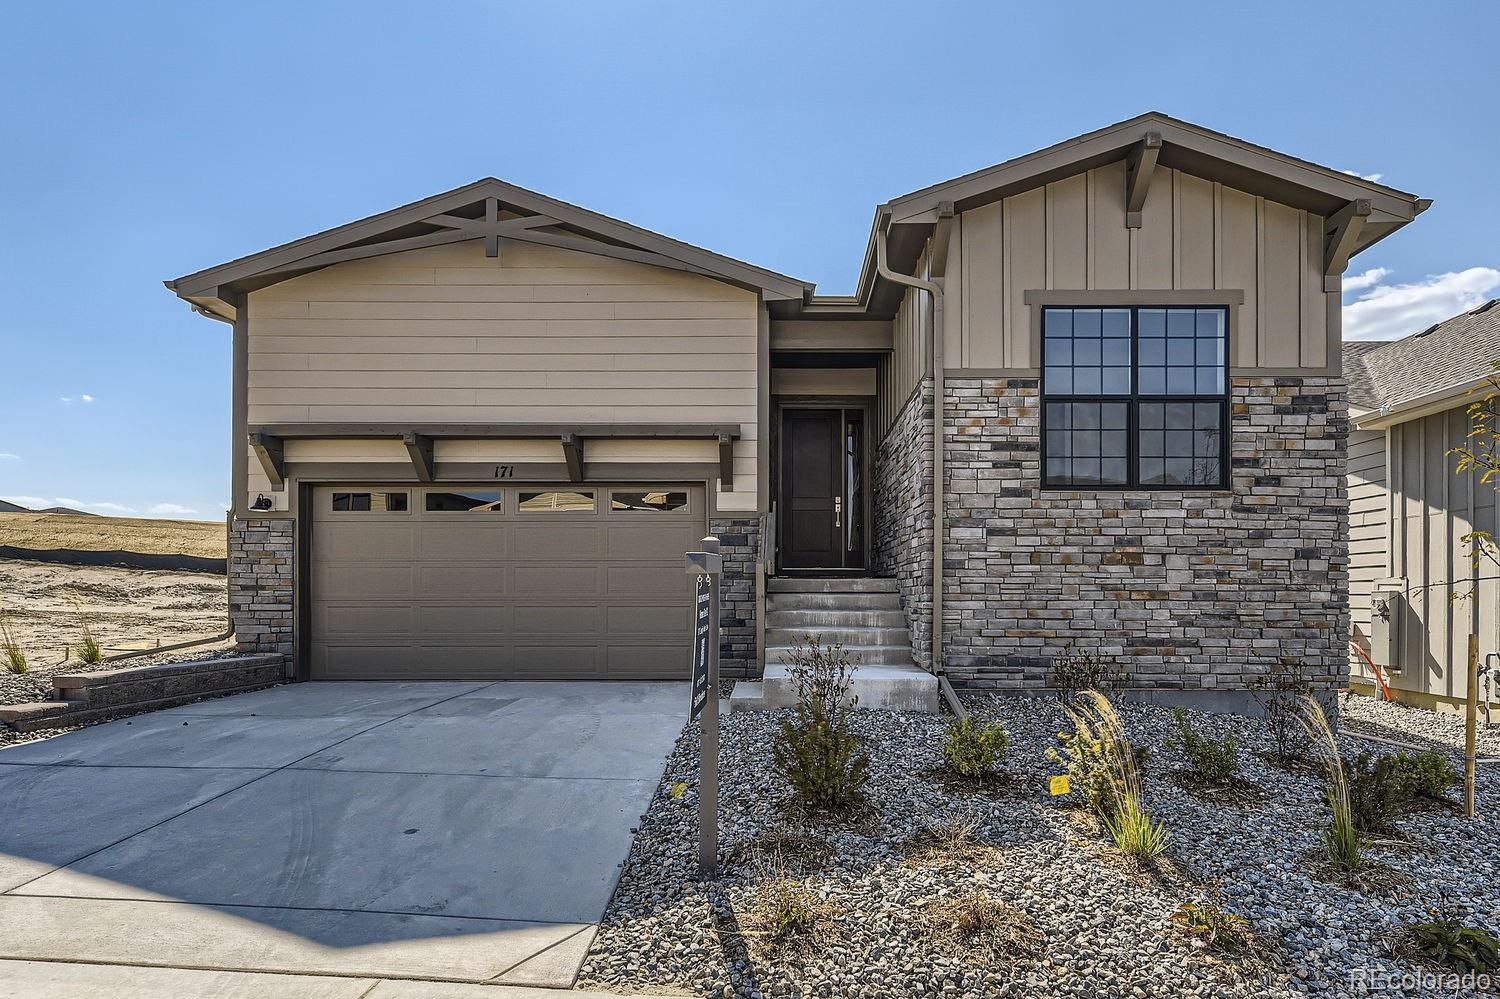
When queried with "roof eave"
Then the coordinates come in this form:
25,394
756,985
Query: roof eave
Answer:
1423,405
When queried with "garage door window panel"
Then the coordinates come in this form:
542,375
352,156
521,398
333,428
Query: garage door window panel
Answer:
648,501
556,501
466,502
369,502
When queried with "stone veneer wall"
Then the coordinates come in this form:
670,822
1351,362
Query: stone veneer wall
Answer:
1196,591
262,561
739,543
903,516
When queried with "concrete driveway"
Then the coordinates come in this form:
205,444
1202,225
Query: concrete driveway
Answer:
462,832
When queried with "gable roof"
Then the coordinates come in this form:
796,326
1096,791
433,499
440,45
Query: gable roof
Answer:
1200,151
1396,378
482,210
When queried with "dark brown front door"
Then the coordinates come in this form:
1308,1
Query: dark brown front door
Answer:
821,489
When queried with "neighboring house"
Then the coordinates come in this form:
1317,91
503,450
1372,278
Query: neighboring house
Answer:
1409,510
473,435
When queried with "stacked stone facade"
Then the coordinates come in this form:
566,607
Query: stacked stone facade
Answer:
262,562
739,543
1193,591
902,497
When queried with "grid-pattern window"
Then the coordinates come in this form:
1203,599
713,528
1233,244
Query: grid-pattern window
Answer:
1135,397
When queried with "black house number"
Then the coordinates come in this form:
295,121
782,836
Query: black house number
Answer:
505,471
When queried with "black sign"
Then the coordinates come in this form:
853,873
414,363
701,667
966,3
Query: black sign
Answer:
700,648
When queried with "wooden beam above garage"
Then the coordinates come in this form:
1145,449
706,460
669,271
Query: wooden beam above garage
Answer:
573,455
272,454
496,431
1341,236
419,447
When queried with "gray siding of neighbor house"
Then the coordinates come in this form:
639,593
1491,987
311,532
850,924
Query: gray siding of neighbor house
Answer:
1423,511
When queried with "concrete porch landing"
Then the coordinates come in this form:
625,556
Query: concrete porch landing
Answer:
888,688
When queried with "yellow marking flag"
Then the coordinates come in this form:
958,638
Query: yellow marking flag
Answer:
1059,785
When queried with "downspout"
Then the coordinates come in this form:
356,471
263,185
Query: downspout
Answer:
936,291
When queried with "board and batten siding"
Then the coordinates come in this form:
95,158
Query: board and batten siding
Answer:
1195,235
1425,510
1369,532
540,335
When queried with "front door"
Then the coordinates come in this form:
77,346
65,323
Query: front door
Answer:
822,489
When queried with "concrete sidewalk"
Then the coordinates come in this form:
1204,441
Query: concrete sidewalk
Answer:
461,832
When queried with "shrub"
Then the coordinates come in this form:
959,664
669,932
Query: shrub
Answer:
785,908
977,926
1214,928
973,750
1107,767
1341,837
1280,695
1077,670
1213,762
15,659
1450,944
1382,788
816,752
88,649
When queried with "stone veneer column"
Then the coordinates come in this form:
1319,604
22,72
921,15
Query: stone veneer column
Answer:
739,543
1195,591
903,516
262,560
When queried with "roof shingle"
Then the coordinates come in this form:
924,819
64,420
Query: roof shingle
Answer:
1389,373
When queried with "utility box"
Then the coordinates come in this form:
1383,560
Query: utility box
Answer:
1387,610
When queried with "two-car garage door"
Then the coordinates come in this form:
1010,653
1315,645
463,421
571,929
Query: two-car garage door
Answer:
502,582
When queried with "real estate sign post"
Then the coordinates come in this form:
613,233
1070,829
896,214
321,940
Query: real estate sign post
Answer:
705,565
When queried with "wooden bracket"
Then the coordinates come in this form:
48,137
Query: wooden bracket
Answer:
1139,167
419,447
490,227
272,457
726,462
1340,234
573,455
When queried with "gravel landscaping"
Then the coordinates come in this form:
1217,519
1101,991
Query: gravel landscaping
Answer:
882,889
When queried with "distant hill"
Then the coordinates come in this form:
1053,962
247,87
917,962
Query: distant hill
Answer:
40,530
67,511
12,508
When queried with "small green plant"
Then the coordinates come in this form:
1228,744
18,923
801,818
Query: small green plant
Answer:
1341,836
1450,944
15,659
787,908
816,752
973,749
1101,759
1212,927
1280,694
87,648
1077,670
1381,788
1212,761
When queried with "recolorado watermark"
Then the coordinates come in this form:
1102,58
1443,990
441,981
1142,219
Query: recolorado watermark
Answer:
1373,981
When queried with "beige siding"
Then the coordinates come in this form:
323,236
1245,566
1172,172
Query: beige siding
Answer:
823,381
1369,529
1424,510
541,335
1195,235
911,355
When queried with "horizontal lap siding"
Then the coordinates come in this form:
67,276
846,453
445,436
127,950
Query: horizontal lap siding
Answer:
1195,235
541,335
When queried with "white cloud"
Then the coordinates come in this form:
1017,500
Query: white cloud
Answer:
1369,278
1387,311
31,501
1373,178
172,509
86,397
4,455
81,397
89,505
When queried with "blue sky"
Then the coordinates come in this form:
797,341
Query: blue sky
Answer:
146,141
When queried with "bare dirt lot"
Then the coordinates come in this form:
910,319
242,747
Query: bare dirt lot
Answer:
126,609
132,534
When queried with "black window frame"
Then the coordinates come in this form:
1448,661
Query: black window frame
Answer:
1133,400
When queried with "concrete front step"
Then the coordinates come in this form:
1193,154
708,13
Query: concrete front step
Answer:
870,655
847,637
833,601
848,584
889,688
812,620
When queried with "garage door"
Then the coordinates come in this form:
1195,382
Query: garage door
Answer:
513,582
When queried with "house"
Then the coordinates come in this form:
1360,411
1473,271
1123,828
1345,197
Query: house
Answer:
1409,512
473,435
